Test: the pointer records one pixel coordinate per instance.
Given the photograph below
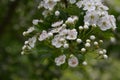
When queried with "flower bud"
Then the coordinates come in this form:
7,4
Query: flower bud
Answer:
84,63
95,43
79,40
92,37
80,28
57,13
66,45
87,44
88,40
83,50
105,56
100,52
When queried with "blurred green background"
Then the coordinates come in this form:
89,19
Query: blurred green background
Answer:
15,17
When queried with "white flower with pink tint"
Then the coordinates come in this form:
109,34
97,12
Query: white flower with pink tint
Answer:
73,61
60,60
72,34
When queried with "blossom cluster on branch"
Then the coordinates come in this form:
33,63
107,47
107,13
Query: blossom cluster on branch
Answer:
73,33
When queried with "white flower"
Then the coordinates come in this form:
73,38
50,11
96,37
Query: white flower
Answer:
88,5
60,60
104,23
101,7
71,20
72,1
58,41
32,41
72,34
35,21
58,23
31,29
43,35
113,21
73,61
56,30
91,17
49,4
79,4
63,32
75,18
107,22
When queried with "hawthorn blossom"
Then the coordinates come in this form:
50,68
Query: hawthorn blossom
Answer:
57,30
88,5
91,17
43,35
58,23
71,20
31,41
35,21
112,21
48,4
72,1
60,60
31,29
79,4
58,41
104,23
63,32
72,34
73,61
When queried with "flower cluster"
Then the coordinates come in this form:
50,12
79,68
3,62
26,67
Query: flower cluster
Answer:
96,14
48,4
70,35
